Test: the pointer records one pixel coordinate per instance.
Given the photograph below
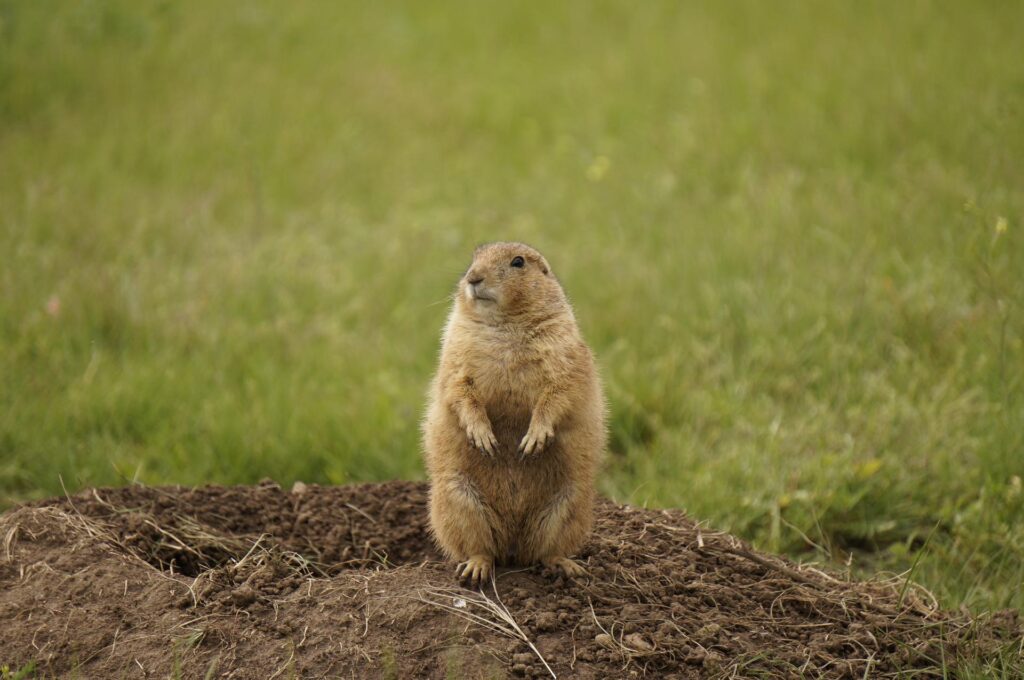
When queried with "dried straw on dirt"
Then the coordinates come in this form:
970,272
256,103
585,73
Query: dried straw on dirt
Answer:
259,582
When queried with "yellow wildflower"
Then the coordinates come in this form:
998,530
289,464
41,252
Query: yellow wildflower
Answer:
598,168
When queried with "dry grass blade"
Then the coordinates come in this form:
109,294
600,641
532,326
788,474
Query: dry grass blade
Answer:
500,621
9,537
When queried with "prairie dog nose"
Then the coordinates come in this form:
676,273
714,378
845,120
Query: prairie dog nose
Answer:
473,278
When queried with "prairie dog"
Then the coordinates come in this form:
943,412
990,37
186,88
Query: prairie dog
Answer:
515,427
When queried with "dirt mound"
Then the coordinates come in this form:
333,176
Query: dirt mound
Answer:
260,582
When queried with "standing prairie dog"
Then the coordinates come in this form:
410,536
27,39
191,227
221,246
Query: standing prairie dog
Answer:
515,427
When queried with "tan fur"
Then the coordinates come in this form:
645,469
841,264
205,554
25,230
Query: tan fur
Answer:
515,427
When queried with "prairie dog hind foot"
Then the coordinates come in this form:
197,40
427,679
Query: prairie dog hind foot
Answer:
475,571
569,567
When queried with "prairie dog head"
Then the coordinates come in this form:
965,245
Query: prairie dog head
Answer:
509,281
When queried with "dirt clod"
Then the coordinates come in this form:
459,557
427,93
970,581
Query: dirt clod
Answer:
253,582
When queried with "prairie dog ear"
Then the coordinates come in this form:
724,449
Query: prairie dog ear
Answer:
545,268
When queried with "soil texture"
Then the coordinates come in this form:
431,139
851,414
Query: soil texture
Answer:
345,582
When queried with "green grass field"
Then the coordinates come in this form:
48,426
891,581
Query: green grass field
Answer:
793,234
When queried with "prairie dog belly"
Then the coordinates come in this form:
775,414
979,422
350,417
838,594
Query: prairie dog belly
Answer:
518,494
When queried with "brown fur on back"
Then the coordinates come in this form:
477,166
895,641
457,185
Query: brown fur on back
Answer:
515,366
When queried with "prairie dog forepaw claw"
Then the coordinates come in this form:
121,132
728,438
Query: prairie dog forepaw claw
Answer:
482,437
536,440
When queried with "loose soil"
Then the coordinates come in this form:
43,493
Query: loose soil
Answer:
262,582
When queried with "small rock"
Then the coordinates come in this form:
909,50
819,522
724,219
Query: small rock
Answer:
696,658
546,621
709,630
243,596
637,642
298,488
605,640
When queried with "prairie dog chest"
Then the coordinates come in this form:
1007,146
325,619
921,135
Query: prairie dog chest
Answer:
508,375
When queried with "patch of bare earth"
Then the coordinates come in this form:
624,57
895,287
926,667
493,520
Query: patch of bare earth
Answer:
260,582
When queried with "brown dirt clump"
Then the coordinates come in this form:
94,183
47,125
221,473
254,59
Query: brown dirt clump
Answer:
261,582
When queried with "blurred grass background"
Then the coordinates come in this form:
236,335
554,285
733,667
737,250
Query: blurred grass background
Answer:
792,232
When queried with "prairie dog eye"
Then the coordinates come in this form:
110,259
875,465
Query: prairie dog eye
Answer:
518,262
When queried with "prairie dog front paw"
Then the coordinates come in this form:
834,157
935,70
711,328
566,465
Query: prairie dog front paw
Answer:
537,438
482,437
